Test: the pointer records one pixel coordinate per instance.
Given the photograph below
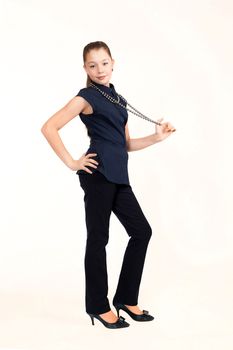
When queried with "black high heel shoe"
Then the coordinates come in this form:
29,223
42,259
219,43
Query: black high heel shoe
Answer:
142,317
120,323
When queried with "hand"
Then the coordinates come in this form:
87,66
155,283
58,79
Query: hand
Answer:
164,130
82,162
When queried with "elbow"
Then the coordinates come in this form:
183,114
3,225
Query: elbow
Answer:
43,129
46,128
128,145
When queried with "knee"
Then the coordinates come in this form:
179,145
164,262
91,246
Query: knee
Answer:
148,232
145,232
96,241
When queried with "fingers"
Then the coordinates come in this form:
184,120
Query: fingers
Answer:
90,165
160,121
87,170
91,154
168,127
88,161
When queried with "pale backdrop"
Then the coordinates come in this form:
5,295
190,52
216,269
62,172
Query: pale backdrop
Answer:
173,60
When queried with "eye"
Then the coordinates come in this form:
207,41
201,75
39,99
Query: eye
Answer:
91,66
105,62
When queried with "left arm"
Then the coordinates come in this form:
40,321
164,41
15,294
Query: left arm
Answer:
163,131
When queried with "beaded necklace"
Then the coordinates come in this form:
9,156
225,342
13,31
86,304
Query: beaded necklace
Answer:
113,100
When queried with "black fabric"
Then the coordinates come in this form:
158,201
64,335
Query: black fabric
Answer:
101,197
106,128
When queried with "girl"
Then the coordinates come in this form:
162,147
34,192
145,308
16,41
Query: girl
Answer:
103,176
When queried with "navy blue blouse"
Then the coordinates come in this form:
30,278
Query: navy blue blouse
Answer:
106,128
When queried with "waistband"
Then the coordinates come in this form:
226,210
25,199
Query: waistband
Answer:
94,141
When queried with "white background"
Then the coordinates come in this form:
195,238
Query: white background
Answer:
173,60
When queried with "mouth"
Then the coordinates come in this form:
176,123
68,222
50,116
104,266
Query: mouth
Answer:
101,78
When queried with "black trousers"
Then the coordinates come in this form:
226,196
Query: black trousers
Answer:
101,197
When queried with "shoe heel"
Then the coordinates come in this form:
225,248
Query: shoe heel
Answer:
92,319
117,310
120,323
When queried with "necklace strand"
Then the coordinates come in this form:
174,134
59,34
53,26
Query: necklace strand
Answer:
113,100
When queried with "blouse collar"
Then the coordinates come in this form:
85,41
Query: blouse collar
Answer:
105,88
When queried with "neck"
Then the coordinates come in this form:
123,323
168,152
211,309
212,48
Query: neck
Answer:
108,85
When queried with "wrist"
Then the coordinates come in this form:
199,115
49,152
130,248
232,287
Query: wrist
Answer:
157,137
70,163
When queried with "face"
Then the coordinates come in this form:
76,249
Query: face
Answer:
99,64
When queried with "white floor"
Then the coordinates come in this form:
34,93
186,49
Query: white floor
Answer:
48,322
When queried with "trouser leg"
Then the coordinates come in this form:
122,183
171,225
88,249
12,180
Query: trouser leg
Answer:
130,214
98,199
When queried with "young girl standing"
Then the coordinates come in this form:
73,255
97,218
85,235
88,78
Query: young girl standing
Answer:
103,176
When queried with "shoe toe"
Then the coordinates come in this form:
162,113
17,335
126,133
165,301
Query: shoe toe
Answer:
121,321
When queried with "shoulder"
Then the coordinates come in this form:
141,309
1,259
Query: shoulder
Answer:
89,94
88,89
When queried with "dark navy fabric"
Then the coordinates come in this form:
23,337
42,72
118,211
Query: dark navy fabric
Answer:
106,129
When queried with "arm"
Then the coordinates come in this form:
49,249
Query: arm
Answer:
139,143
136,144
57,121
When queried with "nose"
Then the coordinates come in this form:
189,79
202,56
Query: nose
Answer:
100,70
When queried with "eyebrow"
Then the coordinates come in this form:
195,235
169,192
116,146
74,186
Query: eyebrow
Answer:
105,59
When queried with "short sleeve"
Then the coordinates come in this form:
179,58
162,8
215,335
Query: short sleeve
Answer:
88,95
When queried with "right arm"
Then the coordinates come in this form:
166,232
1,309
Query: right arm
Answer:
51,127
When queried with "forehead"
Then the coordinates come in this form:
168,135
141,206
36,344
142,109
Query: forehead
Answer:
97,55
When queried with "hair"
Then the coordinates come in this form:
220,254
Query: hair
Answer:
95,45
